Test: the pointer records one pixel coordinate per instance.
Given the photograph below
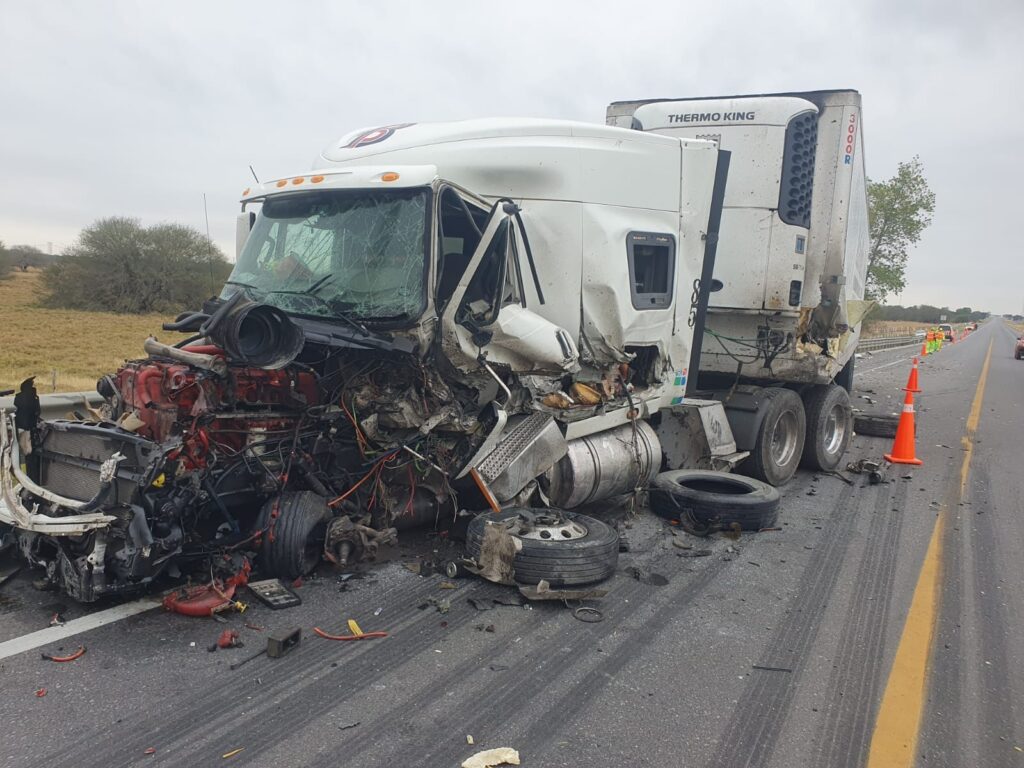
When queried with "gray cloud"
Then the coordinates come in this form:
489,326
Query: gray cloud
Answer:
138,109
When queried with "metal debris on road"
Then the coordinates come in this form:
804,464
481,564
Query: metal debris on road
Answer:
274,594
232,753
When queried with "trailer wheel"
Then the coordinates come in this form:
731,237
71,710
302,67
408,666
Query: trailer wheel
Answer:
712,500
563,548
829,427
293,542
780,438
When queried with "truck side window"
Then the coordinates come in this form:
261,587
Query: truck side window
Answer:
488,289
652,269
459,236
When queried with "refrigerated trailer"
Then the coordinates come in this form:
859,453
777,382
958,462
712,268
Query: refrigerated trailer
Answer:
792,255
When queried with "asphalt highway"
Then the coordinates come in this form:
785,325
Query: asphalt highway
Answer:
881,626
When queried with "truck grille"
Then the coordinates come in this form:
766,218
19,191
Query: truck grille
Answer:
72,453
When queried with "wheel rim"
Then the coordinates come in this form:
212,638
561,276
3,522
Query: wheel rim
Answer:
547,527
784,439
835,430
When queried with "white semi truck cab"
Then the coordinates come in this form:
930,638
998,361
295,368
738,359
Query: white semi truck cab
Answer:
507,312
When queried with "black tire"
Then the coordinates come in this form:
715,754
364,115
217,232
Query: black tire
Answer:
562,563
293,542
875,426
780,438
714,500
845,377
829,427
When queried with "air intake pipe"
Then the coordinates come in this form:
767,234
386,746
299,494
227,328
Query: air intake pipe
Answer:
254,334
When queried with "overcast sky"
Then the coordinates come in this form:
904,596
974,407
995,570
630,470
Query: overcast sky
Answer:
138,109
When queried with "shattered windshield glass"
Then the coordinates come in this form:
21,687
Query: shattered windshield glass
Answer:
356,253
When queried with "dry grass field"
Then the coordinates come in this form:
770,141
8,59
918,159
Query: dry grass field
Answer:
65,350
876,328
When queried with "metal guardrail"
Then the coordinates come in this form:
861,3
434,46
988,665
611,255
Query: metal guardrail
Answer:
59,405
886,342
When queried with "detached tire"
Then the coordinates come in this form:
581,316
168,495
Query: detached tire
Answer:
589,553
780,438
714,499
294,542
829,427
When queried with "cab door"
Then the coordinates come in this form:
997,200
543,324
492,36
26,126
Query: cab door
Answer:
487,318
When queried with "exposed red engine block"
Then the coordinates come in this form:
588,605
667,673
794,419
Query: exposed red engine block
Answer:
170,398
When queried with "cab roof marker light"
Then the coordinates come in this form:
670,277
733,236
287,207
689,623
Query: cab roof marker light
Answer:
316,179
389,176
298,180
282,182
246,192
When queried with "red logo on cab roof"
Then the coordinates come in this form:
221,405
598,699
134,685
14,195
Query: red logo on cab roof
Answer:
375,135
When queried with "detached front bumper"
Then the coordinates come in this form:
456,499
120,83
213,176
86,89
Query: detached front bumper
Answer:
13,481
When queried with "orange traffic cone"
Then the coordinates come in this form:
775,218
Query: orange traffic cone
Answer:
924,349
903,446
912,385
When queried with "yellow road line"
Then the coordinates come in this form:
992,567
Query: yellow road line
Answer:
972,422
894,741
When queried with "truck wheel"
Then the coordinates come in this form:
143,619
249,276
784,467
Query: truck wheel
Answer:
829,427
563,548
780,438
714,499
293,542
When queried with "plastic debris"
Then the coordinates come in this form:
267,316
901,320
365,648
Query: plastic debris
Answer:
492,757
70,657
40,693
469,739
149,751
232,753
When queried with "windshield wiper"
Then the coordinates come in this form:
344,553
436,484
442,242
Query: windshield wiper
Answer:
240,284
331,307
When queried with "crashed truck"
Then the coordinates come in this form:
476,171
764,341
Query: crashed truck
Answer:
516,315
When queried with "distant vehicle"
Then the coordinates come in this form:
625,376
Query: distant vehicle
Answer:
921,333
947,331
1018,353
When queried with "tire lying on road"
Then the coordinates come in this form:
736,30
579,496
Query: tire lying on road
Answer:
563,548
829,427
874,425
706,499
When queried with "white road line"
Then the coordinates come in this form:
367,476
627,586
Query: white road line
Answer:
894,362
75,626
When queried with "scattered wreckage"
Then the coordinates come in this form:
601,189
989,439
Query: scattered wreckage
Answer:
440,318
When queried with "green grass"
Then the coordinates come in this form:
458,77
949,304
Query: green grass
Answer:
66,350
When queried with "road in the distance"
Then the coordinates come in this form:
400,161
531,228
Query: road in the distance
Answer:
674,675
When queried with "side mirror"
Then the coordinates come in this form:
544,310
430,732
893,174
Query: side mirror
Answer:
243,226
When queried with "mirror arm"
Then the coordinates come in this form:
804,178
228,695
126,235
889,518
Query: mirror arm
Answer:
529,253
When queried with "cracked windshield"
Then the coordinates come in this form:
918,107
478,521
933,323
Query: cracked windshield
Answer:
329,253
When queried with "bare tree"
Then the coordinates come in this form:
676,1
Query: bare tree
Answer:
118,265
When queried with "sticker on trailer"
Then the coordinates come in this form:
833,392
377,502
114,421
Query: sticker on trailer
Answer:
851,139
681,377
